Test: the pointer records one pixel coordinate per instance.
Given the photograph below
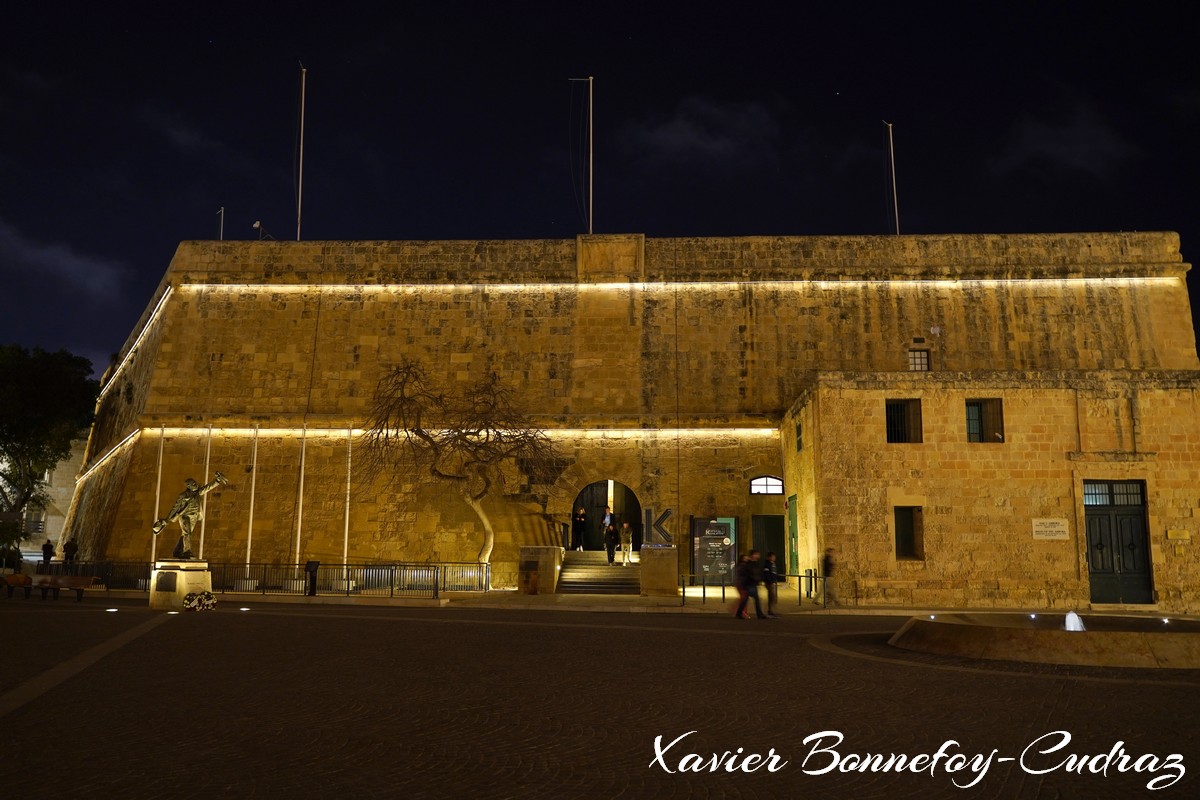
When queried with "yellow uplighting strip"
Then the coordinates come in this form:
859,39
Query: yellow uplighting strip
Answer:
554,433
112,379
775,285
112,452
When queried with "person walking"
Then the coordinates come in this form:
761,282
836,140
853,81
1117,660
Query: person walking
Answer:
611,538
626,536
828,567
751,578
771,579
739,583
754,572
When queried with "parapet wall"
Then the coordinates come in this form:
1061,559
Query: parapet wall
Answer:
637,332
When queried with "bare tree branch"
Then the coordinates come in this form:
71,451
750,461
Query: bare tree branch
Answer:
464,439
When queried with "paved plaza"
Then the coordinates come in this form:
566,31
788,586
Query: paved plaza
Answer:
327,701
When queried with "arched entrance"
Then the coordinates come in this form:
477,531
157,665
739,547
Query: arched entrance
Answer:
593,499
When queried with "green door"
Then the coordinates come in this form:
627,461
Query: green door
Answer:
1118,546
793,538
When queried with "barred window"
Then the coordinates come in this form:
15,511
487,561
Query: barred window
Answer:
985,420
918,360
903,421
1113,493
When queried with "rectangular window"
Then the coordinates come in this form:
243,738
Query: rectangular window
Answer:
904,421
909,532
918,360
985,420
1113,493
1095,494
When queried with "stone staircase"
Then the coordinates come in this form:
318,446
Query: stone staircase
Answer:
588,572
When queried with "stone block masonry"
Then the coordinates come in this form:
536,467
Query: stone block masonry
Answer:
668,365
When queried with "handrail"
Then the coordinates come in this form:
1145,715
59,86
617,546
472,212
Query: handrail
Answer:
368,579
806,586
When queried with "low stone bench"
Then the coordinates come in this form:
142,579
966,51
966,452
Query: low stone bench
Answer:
55,583
18,581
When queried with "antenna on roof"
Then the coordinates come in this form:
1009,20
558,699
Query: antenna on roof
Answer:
892,158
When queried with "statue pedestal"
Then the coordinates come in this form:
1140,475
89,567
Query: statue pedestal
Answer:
171,581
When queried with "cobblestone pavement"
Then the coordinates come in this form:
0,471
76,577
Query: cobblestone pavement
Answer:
333,701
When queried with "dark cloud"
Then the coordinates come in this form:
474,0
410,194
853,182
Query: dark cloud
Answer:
181,135
1082,141
59,267
701,133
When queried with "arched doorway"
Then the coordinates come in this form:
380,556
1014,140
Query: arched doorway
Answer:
625,508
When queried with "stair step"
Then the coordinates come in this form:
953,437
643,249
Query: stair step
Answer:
588,572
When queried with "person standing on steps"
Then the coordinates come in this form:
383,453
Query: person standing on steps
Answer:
610,542
578,529
626,535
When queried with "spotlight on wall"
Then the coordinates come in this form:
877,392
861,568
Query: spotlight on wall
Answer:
262,232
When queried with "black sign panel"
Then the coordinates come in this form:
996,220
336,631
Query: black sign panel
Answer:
713,549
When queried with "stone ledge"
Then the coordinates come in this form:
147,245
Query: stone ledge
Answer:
1039,639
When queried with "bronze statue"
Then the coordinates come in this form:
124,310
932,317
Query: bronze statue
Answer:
187,511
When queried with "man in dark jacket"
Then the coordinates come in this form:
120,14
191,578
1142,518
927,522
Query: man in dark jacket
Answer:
611,539
770,574
828,565
751,577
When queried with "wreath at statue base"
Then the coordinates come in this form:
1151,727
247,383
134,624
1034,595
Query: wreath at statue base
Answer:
199,601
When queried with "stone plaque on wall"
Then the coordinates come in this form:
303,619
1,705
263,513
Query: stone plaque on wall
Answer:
1051,528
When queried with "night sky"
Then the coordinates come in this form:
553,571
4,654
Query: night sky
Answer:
125,127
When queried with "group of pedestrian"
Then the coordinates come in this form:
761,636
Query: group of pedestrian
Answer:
611,535
622,537
751,571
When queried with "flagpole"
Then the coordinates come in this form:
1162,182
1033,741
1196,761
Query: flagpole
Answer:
591,157
591,154
300,181
892,158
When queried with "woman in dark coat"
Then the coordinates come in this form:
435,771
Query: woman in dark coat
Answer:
578,529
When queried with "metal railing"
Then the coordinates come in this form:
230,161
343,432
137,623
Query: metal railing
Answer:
809,586
363,580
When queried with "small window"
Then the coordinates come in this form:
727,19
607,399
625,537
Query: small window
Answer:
985,421
799,438
910,532
918,360
1113,493
766,485
904,421
1095,494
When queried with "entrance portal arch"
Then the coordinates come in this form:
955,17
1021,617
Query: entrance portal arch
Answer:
593,499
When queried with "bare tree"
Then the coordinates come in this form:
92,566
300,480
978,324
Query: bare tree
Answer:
465,439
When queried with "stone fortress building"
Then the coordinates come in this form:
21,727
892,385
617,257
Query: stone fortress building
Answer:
982,420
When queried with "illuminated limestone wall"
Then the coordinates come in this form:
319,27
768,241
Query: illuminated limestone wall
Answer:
666,364
979,500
